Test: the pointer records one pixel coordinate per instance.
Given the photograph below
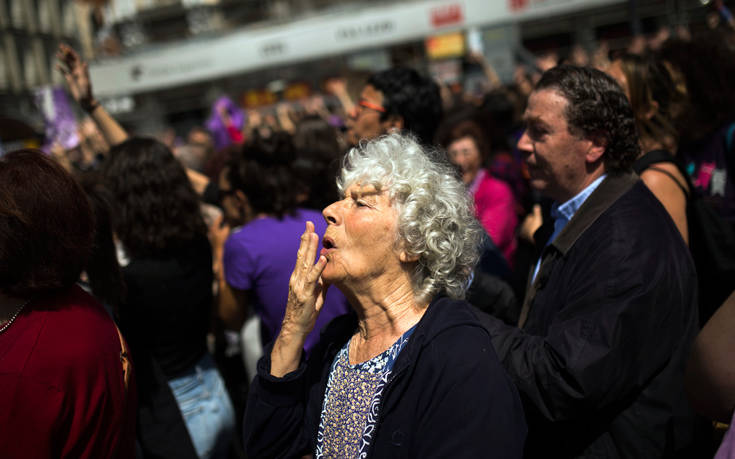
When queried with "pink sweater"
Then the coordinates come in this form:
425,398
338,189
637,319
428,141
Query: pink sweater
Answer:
495,209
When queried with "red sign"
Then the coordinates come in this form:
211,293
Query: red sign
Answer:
447,15
516,5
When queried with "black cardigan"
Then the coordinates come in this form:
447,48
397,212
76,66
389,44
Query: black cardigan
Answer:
448,396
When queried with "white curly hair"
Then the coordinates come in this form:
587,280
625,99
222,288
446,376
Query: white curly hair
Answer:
436,220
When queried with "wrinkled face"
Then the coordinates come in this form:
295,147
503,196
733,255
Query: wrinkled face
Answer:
556,158
464,154
360,241
364,122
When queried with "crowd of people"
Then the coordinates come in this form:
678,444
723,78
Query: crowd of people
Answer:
544,271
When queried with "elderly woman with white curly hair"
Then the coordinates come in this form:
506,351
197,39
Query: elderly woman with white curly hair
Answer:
410,372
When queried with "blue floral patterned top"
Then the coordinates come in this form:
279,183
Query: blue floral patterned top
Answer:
352,401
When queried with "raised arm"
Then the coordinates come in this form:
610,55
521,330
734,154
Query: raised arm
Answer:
489,71
76,73
338,88
283,111
306,293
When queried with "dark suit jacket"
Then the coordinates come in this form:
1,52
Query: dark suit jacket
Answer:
605,331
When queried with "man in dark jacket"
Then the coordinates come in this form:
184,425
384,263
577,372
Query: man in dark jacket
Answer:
610,312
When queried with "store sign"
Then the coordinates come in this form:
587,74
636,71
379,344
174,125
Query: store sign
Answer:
447,15
272,49
520,6
370,61
517,5
498,45
249,49
181,67
365,31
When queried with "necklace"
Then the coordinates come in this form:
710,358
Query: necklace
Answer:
12,318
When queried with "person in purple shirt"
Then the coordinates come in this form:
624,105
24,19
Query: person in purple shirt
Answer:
260,202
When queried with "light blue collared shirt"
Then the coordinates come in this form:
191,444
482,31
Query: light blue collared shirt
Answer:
562,213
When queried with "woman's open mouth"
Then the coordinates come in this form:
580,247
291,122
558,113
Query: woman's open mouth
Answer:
327,246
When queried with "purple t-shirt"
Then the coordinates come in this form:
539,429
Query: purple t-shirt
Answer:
260,257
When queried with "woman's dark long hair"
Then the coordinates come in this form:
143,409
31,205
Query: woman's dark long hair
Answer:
653,97
103,271
157,210
707,66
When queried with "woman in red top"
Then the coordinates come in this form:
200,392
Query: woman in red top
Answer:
65,385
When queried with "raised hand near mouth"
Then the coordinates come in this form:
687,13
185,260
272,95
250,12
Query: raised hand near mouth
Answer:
306,294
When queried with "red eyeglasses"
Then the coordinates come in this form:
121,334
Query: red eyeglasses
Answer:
367,104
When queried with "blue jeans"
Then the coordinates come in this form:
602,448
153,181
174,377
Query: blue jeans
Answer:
206,408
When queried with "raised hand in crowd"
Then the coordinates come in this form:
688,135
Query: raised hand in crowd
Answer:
315,106
338,88
489,71
522,80
252,121
284,112
76,73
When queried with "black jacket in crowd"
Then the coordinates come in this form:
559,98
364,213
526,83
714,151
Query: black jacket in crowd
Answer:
606,329
447,396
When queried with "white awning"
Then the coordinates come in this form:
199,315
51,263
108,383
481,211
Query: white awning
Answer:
195,60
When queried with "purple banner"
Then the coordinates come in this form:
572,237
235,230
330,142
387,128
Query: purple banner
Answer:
58,116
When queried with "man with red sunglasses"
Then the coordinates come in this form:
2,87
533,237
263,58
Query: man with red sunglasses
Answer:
396,99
